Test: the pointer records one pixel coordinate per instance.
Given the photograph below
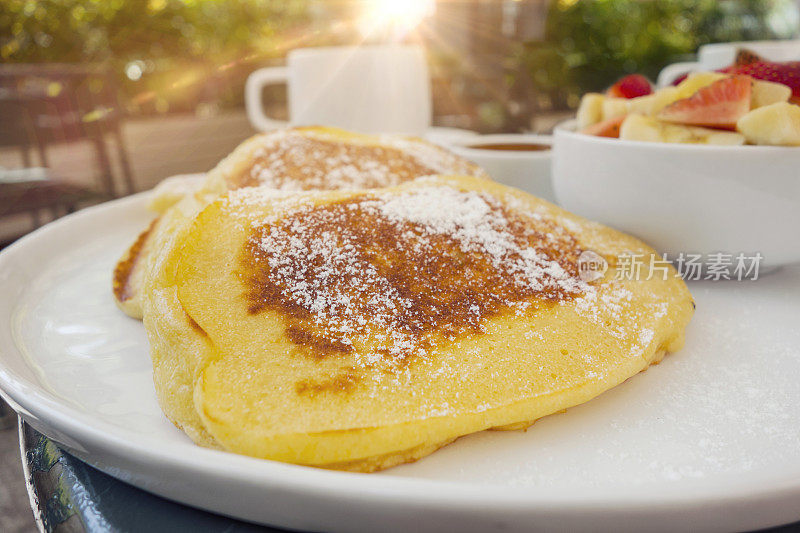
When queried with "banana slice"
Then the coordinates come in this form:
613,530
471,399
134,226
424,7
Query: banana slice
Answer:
648,129
591,110
775,124
767,93
651,104
614,107
696,81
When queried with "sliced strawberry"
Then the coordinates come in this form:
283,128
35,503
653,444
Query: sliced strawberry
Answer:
718,105
631,86
745,56
677,81
787,73
606,128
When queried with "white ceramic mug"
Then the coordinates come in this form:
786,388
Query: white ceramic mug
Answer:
523,169
369,89
720,55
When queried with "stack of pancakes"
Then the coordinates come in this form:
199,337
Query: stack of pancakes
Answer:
352,302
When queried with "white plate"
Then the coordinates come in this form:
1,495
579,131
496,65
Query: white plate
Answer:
707,440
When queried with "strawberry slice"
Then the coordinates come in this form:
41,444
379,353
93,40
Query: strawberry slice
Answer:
744,57
718,105
787,73
606,128
631,86
677,81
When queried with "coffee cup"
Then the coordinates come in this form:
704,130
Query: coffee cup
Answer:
368,89
518,160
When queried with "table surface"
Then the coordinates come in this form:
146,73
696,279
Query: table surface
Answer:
71,496
20,197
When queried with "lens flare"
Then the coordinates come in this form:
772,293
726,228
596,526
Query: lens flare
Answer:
393,17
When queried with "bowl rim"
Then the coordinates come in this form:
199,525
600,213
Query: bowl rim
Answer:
462,146
568,127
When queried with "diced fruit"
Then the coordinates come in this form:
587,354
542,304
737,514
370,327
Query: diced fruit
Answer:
631,86
615,107
787,73
718,105
767,93
776,124
653,103
591,110
607,128
753,95
696,81
641,128
649,129
595,107
764,92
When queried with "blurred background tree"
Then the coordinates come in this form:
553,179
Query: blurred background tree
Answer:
168,54
588,44
495,62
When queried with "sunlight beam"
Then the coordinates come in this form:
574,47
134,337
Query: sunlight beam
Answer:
393,18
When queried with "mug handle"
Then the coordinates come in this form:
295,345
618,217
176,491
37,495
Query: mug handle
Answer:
671,72
256,82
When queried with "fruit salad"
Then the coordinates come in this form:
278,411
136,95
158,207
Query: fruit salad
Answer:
752,101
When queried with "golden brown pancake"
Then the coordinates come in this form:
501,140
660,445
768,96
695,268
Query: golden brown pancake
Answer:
172,190
361,329
168,325
130,268
129,273
331,159
295,159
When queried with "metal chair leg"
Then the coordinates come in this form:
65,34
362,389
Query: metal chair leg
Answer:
8,418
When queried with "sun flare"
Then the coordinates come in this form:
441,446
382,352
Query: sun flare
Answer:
393,16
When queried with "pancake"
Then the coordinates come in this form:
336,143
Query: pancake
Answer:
295,159
284,160
358,330
130,269
128,276
172,190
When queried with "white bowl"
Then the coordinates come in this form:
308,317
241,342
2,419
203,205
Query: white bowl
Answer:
526,170
694,199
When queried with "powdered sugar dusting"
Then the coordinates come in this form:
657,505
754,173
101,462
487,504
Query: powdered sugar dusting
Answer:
386,276
295,160
471,220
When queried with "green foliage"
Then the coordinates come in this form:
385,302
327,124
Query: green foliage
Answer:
590,43
173,44
97,30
